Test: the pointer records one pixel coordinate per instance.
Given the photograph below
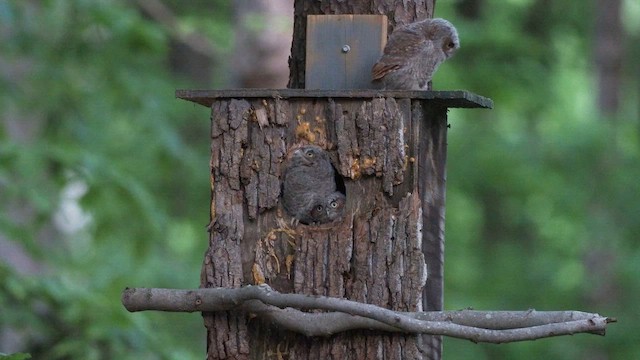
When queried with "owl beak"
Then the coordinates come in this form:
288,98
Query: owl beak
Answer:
300,154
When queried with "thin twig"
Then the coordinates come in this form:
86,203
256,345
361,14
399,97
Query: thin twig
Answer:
163,15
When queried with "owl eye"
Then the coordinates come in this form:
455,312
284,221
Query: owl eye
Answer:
333,204
451,45
310,154
319,208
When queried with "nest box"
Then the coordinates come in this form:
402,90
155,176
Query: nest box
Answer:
341,49
389,150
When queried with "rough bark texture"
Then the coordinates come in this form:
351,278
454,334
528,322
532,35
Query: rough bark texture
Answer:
390,154
398,13
226,336
432,187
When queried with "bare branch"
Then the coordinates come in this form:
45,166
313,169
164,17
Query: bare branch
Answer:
162,14
477,326
500,320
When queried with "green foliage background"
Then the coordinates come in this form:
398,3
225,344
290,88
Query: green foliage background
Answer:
542,199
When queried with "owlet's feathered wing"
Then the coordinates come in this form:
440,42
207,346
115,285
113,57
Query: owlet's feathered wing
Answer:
413,53
403,45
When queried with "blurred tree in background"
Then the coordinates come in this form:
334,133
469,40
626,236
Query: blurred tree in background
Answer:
542,195
104,175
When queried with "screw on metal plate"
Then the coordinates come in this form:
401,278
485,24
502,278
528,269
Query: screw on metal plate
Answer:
346,48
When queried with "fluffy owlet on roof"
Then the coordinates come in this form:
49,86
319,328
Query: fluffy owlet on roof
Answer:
414,52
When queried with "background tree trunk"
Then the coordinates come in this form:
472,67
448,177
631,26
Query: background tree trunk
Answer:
600,260
263,32
608,53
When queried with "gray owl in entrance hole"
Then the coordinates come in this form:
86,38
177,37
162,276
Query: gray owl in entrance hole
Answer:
328,208
308,176
414,52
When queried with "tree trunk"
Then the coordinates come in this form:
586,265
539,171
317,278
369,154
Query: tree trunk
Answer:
390,153
391,156
398,14
608,49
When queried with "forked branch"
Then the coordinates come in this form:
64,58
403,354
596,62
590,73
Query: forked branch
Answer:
344,315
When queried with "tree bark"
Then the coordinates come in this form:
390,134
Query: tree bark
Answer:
390,153
398,14
381,147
